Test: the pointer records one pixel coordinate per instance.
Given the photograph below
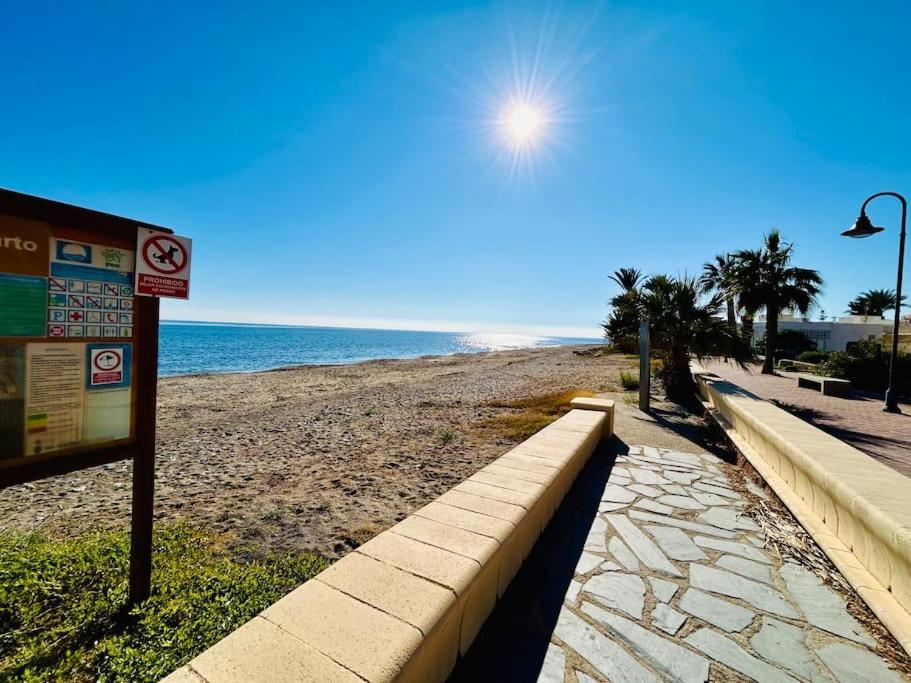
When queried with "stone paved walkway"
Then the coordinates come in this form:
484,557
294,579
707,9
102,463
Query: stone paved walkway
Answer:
673,582
856,419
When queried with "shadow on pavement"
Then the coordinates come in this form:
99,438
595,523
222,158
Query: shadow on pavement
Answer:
688,420
513,642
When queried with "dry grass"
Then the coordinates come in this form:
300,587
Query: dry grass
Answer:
534,413
516,427
548,404
629,380
784,535
362,534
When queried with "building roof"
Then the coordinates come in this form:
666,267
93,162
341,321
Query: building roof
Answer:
50,211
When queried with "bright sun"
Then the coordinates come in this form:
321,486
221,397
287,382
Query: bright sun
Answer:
527,109
523,124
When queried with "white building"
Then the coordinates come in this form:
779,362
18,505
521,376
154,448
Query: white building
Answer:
831,336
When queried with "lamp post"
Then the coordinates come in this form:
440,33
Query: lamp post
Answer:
864,228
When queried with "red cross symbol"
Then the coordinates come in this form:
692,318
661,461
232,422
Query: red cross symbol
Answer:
75,316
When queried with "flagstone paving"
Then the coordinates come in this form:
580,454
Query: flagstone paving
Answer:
675,584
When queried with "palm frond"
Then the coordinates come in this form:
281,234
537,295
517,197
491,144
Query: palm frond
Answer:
627,278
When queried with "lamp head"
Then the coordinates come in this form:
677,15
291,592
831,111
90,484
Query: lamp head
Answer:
862,228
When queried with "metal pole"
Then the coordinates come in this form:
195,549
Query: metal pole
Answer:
644,368
892,392
146,387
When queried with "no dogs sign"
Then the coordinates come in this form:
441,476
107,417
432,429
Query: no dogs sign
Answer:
162,264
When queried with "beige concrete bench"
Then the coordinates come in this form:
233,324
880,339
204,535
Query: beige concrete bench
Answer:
857,509
829,386
404,605
602,404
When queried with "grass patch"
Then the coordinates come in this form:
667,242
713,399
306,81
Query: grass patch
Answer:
273,515
447,436
629,380
63,614
534,413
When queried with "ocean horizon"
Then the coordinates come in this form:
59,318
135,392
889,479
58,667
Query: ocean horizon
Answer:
191,347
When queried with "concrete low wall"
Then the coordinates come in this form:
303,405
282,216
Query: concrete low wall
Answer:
404,605
857,509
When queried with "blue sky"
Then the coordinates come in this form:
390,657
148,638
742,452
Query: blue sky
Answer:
339,163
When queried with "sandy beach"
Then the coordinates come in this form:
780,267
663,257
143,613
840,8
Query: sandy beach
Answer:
316,458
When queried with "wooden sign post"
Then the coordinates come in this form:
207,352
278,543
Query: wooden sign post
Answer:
78,354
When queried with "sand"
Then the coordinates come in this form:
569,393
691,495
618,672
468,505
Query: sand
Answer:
316,457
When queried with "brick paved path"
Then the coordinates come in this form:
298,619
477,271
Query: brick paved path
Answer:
857,419
670,580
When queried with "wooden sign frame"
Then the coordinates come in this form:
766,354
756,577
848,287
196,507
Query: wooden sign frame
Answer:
66,221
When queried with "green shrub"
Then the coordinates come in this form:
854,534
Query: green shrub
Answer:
625,345
629,380
815,357
63,603
838,364
866,348
868,368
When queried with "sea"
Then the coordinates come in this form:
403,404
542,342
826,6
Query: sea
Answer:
188,348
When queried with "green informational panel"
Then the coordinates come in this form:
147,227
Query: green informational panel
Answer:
23,306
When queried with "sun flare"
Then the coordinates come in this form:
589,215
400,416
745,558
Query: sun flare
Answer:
523,124
527,103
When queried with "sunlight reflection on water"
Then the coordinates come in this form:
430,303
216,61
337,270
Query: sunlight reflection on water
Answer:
199,347
503,342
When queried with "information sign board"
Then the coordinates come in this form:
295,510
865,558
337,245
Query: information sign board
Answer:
79,349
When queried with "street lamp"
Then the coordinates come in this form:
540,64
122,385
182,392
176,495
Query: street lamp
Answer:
864,228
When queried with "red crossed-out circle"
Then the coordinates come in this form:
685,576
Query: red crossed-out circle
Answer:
113,352
163,244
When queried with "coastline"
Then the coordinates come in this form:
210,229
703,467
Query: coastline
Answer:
367,361
562,342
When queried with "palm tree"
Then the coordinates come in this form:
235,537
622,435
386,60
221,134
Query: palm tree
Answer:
621,328
746,261
683,324
766,279
718,276
627,278
874,302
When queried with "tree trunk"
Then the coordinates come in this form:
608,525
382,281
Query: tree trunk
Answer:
679,385
732,316
746,328
771,339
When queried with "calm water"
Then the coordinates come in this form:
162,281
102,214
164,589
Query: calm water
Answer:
200,347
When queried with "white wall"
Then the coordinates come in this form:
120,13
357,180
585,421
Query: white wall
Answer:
830,336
